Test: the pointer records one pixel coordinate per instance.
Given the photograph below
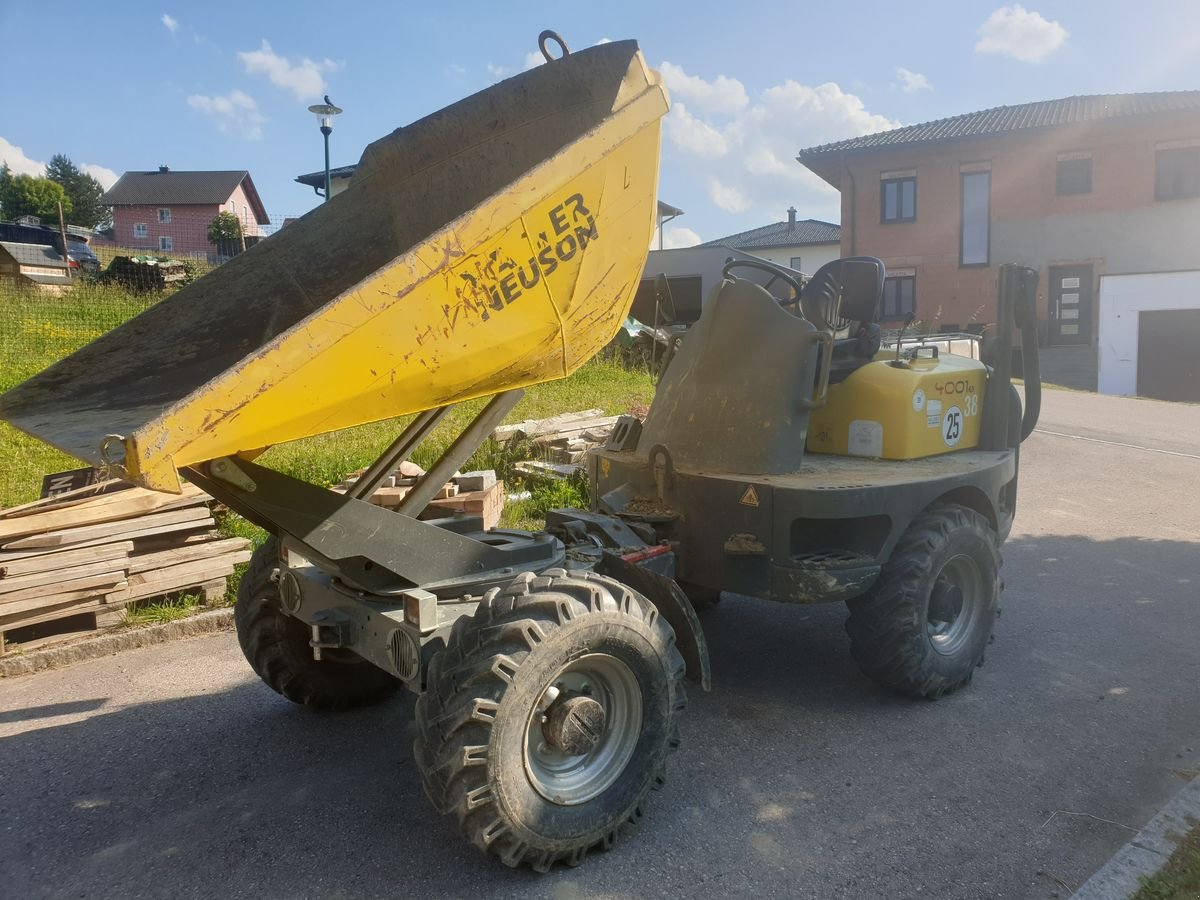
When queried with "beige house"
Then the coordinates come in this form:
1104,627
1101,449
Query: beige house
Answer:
801,244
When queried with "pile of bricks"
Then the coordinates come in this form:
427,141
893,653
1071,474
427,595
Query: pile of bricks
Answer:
476,493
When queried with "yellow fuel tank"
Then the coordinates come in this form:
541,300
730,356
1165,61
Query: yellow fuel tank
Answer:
919,407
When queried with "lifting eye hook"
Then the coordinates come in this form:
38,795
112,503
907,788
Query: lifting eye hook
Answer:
549,35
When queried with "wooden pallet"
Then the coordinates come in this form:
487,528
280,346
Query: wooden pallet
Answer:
96,550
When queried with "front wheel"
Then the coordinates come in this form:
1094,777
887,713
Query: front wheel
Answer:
923,628
548,718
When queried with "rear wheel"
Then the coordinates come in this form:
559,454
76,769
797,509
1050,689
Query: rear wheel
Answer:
923,628
548,718
276,646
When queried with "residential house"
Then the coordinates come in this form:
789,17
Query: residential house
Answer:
169,212
692,272
801,244
1087,190
37,265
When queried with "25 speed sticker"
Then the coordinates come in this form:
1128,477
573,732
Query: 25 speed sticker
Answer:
952,426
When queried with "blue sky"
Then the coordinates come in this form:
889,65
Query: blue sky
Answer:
220,85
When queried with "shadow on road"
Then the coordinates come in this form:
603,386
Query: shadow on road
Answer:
796,776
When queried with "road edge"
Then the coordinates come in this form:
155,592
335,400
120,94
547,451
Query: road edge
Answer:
108,644
1149,850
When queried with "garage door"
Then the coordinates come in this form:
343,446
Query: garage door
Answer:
1169,354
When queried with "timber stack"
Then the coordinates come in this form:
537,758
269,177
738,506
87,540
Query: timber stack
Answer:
474,493
76,562
564,439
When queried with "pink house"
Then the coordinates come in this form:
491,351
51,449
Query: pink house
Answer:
169,212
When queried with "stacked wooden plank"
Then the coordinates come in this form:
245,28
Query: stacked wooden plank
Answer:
96,549
477,493
562,441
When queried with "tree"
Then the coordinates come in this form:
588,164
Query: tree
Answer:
24,195
82,189
225,233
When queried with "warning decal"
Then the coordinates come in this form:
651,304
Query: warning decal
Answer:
750,497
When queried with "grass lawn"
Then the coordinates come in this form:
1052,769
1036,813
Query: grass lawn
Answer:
1179,879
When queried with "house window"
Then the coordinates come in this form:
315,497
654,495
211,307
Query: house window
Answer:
164,217
899,297
795,264
141,230
1177,173
898,200
1074,176
974,240
166,243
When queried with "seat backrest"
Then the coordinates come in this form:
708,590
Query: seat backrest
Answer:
843,291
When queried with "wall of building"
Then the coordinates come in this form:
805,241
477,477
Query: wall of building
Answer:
1118,226
1122,299
239,205
188,228
812,256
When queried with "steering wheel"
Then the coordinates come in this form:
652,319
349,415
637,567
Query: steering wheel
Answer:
778,273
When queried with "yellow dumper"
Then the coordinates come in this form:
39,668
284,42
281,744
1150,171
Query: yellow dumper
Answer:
493,245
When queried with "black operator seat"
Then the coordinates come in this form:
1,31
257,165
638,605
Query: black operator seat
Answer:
845,296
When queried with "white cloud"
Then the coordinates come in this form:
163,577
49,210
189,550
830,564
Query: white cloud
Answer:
18,162
236,113
305,79
720,96
170,23
911,82
106,176
1020,33
533,59
498,72
677,237
726,196
694,135
457,70
744,153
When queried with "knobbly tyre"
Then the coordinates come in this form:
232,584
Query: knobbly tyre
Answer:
509,233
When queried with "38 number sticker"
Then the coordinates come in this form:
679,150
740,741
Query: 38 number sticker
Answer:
952,426
972,402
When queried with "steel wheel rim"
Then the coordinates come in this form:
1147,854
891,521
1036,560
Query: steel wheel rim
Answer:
958,592
570,780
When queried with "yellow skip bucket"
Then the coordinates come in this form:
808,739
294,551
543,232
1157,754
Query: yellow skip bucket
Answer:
492,245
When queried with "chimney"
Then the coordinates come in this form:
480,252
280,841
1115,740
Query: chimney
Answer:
791,218
165,169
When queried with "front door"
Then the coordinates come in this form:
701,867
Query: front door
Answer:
1070,305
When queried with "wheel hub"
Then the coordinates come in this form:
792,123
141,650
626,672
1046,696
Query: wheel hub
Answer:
955,604
583,730
574,725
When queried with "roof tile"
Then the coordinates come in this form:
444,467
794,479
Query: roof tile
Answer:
1001,119
778,234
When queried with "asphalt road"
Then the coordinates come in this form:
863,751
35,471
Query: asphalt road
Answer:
172,772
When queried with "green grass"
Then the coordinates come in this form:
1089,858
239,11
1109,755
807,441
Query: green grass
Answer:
1179,879
169,609
36,330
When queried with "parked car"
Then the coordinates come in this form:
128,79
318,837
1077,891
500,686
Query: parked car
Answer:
81,256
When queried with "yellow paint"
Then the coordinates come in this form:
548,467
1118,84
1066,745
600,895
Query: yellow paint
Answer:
930,407
452,318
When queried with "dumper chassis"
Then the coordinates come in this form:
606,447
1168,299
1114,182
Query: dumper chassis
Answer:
549,666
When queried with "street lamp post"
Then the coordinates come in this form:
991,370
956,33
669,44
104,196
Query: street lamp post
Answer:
325,113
